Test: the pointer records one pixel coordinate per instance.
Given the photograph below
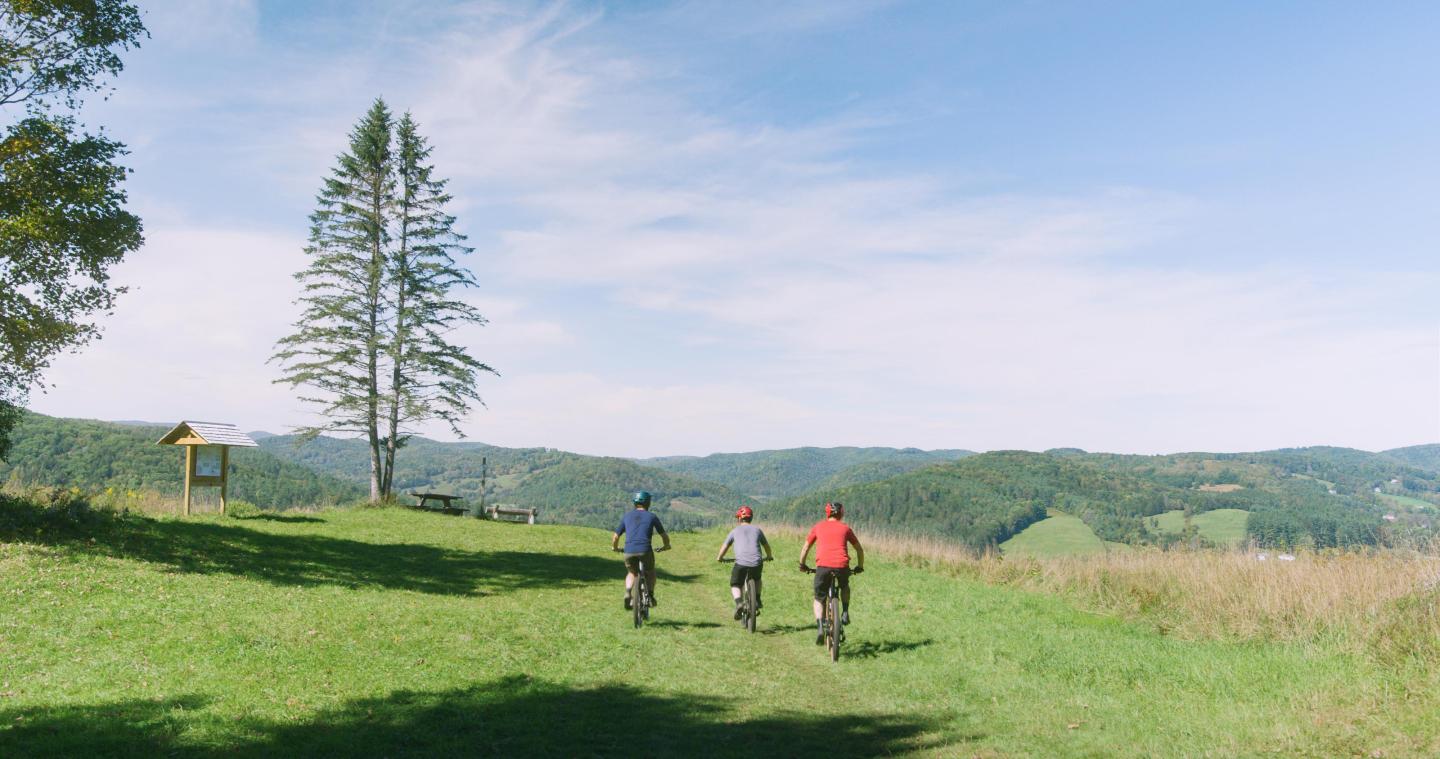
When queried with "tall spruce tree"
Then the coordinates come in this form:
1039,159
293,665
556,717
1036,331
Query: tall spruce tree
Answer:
373,335
431,378
336,346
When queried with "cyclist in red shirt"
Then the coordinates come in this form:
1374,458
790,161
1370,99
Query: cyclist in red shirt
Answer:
832,561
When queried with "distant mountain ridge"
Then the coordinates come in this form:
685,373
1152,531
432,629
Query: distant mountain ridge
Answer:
791,471
1313,496
566,487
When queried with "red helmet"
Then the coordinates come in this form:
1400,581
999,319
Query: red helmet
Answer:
745,512
835,509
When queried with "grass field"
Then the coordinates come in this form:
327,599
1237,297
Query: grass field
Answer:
396,633
1223,527
1057,535
1406,501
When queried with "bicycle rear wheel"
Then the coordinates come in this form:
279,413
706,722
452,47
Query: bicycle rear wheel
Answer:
833,612
637,599
750,604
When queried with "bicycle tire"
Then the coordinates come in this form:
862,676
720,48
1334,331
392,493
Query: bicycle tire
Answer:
637,597
750,604
834,613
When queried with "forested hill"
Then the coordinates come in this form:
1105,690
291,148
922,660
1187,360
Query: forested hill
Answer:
979,500
566,487
96,456
1314,496
792,471
1422,456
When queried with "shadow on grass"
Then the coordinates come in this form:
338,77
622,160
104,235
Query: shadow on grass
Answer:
288,518
511,717
869,649
310,560
765,629
142,727
680,624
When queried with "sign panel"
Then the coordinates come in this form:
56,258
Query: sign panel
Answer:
207,461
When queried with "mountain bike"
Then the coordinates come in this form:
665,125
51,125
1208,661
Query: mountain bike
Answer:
640,593
749,601
832,622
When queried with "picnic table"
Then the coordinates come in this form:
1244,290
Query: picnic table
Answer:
443,503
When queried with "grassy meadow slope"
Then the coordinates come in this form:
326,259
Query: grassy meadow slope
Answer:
568,488
124,459
793,471
1221,527
395,633
1057,535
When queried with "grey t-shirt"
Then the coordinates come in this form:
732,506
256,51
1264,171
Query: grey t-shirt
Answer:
747,539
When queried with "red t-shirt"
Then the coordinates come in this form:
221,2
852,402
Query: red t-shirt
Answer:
832,537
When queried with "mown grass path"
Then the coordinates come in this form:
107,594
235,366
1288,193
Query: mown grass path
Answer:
394,633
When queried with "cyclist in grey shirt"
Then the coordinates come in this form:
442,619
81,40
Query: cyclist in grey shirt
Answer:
747,539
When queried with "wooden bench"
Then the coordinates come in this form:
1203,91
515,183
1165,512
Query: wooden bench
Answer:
443,500
512,514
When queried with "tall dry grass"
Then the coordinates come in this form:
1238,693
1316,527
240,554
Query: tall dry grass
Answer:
1384,604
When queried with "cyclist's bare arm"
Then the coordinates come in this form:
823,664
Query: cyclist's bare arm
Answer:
615,541
859,553
805,552
723,548
769,555
665,536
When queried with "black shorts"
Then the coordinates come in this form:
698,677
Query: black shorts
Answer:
632,561
738,574
824,576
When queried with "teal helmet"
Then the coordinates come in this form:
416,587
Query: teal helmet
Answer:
642,498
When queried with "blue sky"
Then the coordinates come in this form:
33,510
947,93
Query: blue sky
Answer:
721,226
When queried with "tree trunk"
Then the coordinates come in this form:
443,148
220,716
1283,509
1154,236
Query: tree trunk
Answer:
372,347
397,352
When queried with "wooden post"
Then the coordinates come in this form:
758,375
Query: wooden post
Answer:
224,475
189,472
480,512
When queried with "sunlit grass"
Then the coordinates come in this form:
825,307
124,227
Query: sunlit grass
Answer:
391,632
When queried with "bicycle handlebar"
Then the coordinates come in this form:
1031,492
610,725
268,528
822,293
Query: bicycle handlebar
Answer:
810,570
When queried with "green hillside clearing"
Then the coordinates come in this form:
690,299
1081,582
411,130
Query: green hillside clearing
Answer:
394,633
1406,501
1057,535
1224,527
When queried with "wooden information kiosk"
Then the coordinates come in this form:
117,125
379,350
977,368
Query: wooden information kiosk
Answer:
207,454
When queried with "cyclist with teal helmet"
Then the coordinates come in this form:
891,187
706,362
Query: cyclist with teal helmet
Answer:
637,527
